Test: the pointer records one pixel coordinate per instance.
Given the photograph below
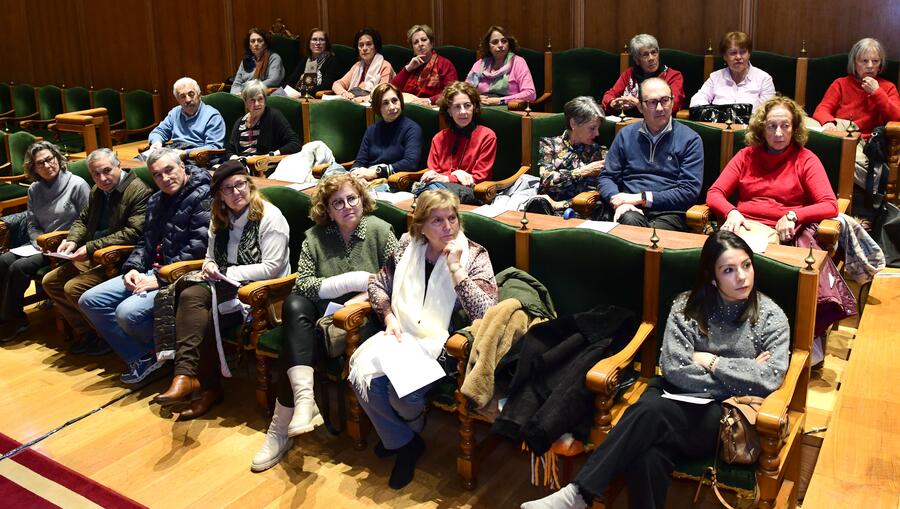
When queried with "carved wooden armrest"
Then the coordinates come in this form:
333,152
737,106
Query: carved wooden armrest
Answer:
35,123
261,293
319,169
50,241
585,203
259,165
827,235
202,156
173,271
519,105
110,257
698,217
403,180
350,318
603,378
683,114
458,346
322,93
772,418
487,190
12,179
214,87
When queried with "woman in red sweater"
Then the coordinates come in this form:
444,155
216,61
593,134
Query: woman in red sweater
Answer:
427,73
782,184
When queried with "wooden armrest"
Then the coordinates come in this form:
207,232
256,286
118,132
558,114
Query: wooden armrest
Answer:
11,179
35,123
214,87
827,235
519,105
50,241
458,346
403,180
81,117
261,293
202,156
5,166
110,257
697,218
351,317
319,169
260,164
585,203
19,119
173,271
772,416
487,190
683,114
322,93
603,378
119,135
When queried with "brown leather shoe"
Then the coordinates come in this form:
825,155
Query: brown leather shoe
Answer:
181,388
207,400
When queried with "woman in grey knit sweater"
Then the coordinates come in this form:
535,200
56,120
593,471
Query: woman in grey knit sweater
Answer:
722,339
55,200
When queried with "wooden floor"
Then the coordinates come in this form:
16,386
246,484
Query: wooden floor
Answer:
140,450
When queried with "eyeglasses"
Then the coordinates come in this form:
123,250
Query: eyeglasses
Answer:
239,187
350,201
653,103
47,161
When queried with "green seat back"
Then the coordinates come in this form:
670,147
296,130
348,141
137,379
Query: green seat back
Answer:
77,98
344,57
340,124
782,68
607,133
4,157
828,149
712,154
544,126
582,71
535,61
109,98
138,110
294,206
18,143
430,121
11,191
143,173
288,49
397,55
497,238
392,215
820,73
690,65
5,98
569,263
508,128
291,110
461,58
230,106
23,100
51,103
891,71
80,168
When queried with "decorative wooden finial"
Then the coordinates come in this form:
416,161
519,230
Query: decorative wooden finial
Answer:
527,108
810,259
709,49
524,220
654,239
728,123
803,48
625,47
851,128
549,46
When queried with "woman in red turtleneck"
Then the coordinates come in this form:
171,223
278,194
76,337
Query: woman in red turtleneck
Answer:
782,184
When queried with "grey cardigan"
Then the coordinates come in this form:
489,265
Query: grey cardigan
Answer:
55,206
274,74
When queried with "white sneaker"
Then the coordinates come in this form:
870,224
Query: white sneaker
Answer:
566,498
277,442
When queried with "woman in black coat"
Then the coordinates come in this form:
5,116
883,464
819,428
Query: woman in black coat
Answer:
262,130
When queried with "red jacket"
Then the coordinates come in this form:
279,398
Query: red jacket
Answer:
475,155
846,98
408,81
671,76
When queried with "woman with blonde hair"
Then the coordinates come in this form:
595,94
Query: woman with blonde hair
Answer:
427,73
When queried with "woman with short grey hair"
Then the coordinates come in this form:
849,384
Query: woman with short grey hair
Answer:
571,162
623,96
262,130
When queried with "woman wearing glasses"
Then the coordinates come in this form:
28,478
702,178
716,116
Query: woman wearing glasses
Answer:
320,65
501,76
340,254
248,241
54,201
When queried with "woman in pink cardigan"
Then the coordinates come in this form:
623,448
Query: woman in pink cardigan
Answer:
501,76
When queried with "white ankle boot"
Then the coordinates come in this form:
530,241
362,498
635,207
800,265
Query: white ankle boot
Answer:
277,441
306,413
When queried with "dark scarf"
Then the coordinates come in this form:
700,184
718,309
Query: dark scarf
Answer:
638,74
461,133
250,63
248,246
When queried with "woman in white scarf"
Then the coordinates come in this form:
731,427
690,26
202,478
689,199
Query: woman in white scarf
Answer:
436,273
371,69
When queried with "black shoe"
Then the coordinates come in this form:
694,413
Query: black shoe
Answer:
405,464
383,452
97,347
13,328
80,346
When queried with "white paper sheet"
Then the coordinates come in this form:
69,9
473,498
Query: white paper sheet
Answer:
394,198
301,187
64,256
24,250
332,307
488,210
600,226
408,366
686,398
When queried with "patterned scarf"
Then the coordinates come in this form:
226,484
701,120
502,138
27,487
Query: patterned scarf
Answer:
498,81
372,75
248,247
428,76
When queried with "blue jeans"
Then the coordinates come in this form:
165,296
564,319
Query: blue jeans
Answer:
123,319
395,419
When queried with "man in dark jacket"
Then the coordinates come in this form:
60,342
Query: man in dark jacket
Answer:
114,215
175,229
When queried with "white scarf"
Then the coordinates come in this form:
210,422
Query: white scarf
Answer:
426,320
372,77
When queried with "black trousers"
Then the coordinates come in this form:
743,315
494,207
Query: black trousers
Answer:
15,276
652,434
195,346
661,220
299,343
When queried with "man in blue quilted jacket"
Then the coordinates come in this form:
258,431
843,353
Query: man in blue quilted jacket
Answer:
175,229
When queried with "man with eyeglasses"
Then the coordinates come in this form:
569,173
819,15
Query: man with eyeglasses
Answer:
175,229
114,215
654,168
192,124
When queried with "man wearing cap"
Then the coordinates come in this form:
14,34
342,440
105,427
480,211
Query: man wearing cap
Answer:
176,226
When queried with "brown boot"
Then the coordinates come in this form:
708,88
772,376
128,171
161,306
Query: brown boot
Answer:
208,399
182,387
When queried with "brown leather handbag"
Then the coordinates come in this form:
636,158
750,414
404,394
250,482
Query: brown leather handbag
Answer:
737,430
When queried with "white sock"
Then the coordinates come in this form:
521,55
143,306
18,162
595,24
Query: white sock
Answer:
567,498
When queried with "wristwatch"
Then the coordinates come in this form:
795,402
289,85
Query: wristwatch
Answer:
644,197
792,216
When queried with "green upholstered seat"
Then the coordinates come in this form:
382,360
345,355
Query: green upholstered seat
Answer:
690,65
4,157
609,270
499,239
782,68
712,154
291,110
295,208
508,128
891,72
230,106
18,143
76,98
828,148
535,61
340,124
12,191
80,168
110,99
138,110
462,59
288,49
582,71
430,122
143,173
392,215
397,55
23,100
820,73
345,56
544,126
51,102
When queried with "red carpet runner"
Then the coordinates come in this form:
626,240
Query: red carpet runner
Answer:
30,479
